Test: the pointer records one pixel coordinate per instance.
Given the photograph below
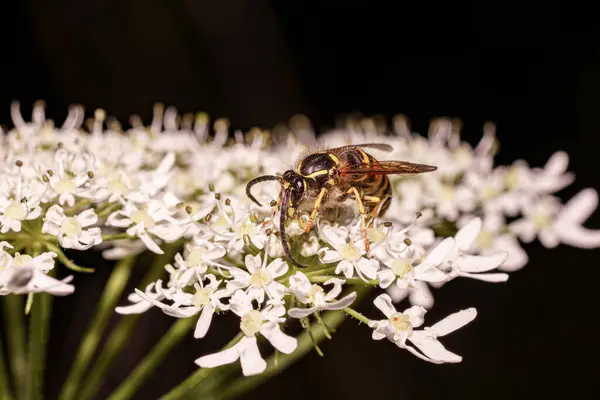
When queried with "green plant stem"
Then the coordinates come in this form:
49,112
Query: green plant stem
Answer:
14,325
112,292
39,328
122,331
197,377
4,380
355,314
66,261
116,236
145,368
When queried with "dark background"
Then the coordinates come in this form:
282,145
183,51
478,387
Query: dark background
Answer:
532,69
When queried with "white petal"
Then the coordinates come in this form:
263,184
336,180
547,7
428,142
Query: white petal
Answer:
341,303
277,268
87,217
251,360
329,256
253,263
386,278
579,236
469,263
465,237
421,295
368,267
454,321
336,288
226,356
150,244
282,342
204,321
346,268
428,273
301,312
384,303
416,314
499,277
440,252
432,348
579,208
548,238
276,290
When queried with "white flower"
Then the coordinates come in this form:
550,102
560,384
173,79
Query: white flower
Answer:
553,224
64,181
314,296
198,256
13,212
239,226
350,256
408,267
460,263
70,230
266,322
399,328
450,199
154,291
28,279
206,300
151,218
23,274
259,279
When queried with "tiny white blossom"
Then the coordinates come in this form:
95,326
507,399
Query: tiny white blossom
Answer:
71,231
315,297
206,300
259,279
266,322
349,256
399,328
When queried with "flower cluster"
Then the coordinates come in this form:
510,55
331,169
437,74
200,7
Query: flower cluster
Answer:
182,181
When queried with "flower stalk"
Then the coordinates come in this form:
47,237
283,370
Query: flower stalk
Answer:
146,367
112,292
39,329
14,325
122,331
4,380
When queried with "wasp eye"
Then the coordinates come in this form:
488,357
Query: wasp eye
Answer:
299,184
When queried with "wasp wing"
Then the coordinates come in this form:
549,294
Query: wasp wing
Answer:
377,146
385,168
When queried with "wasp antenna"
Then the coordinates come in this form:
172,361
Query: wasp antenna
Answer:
284,242
254,181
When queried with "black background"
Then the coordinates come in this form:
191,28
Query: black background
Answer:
532,69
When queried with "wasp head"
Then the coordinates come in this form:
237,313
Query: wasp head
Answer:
295,184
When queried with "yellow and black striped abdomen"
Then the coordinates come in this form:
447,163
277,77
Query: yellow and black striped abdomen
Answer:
372,185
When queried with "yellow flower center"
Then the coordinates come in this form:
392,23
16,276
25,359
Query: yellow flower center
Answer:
376,235
202,297
401,322
541,220
15,211
314,290
71,227
349,252
447,192
65,186
401,268
260,278
117,185
194,258
251,323
20,260
139,216
485,240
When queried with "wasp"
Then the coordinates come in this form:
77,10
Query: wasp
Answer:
332,178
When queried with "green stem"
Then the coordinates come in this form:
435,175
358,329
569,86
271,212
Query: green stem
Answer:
66,261
112,292
197,377
39,325
122,331
147,366
14,323
4,380
355,314
116,236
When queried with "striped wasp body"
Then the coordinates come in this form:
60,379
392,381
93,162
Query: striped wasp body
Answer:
333,178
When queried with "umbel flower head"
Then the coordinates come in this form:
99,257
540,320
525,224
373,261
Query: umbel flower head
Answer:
182,182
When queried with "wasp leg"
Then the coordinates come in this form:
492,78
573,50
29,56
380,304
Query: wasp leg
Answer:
363,216
276,207
313,214
374,202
